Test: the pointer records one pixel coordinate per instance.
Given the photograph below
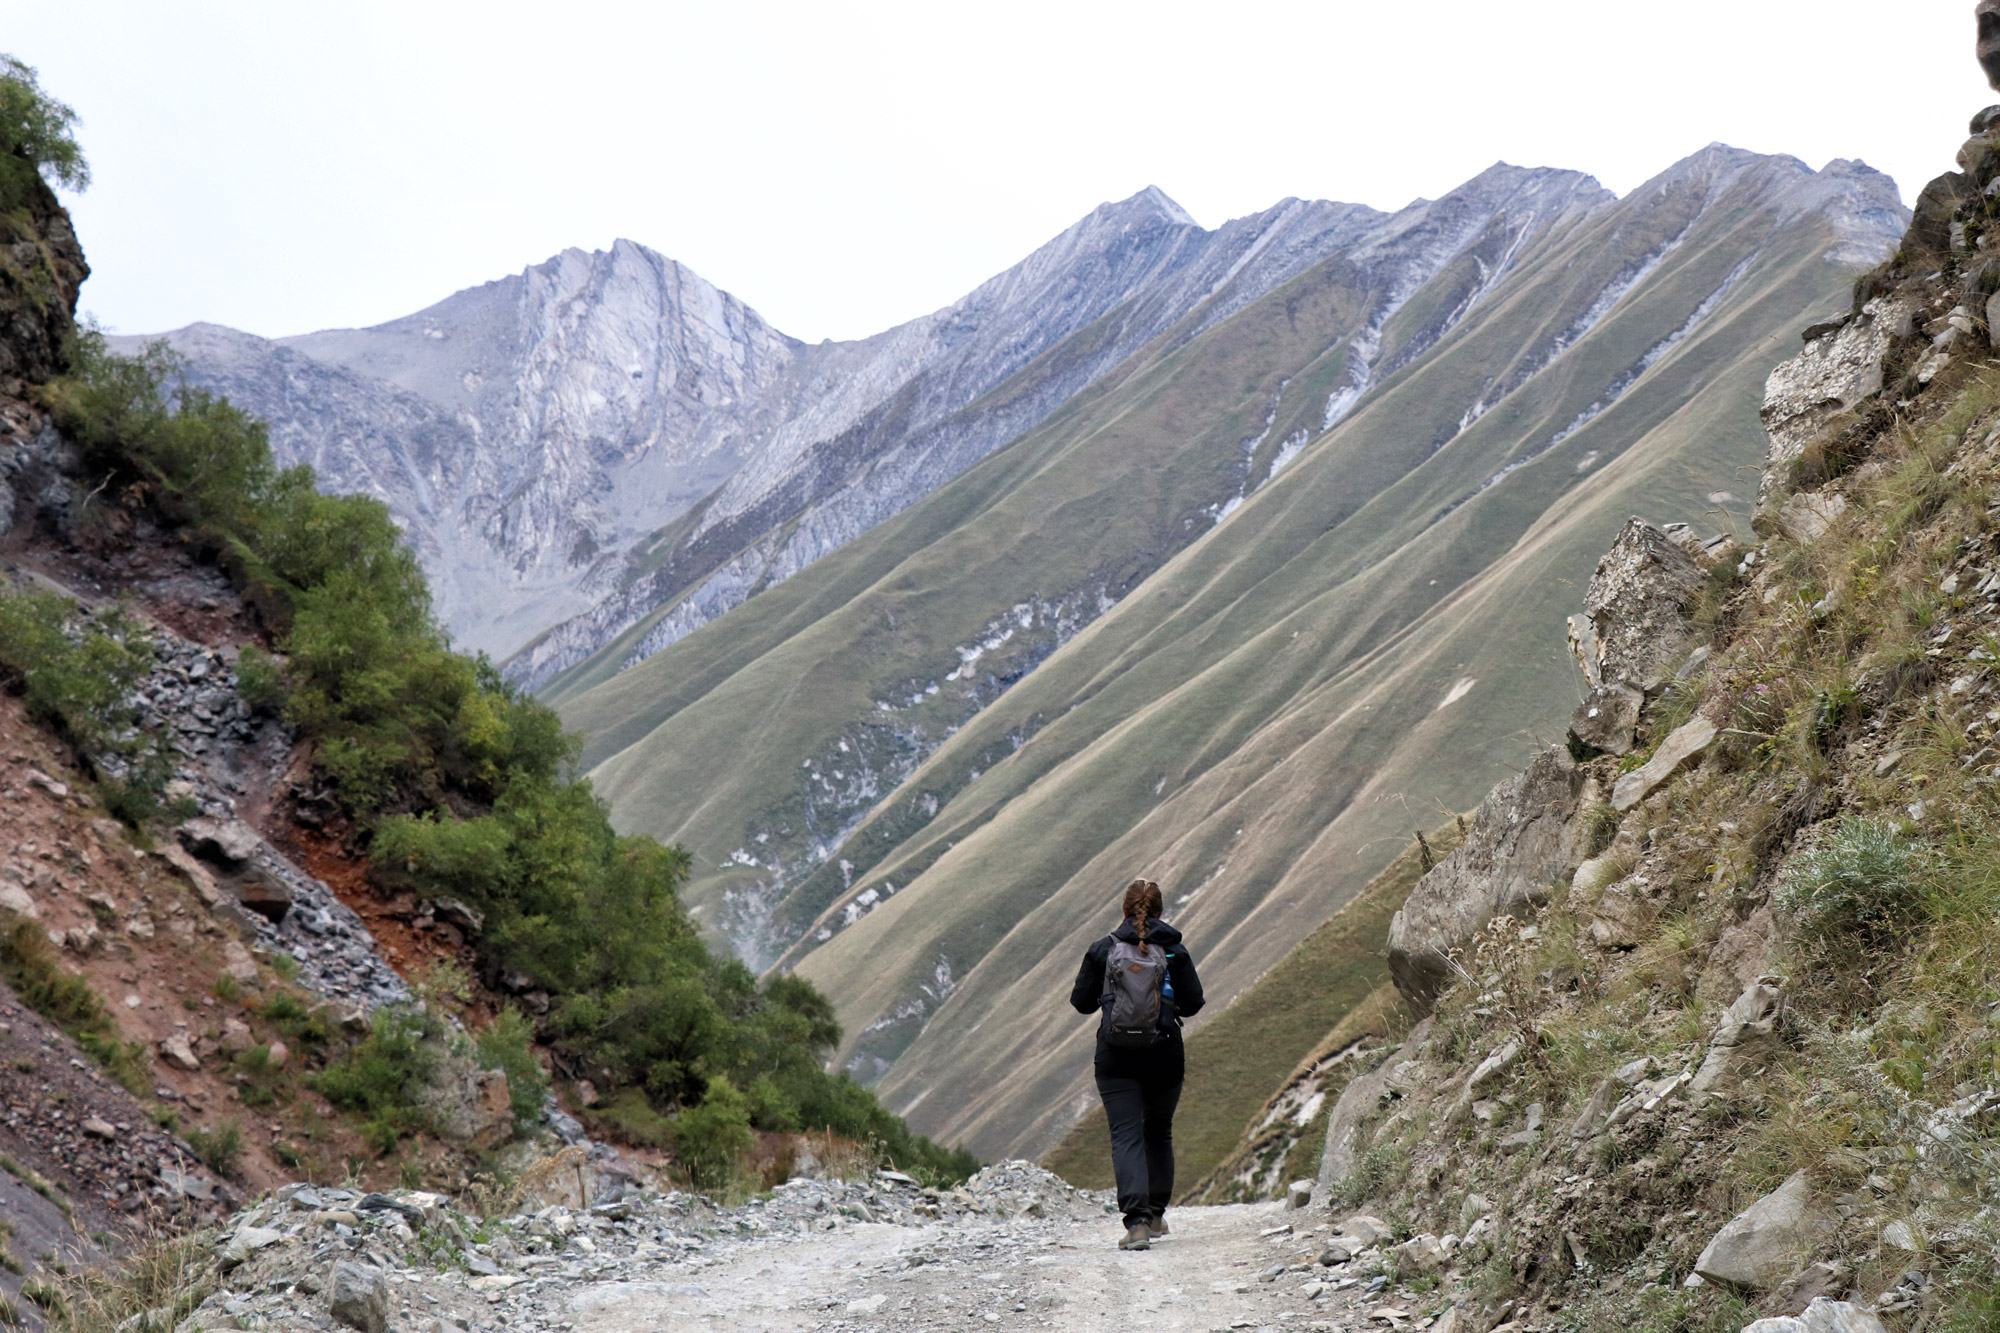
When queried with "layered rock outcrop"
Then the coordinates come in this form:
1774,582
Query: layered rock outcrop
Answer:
41,271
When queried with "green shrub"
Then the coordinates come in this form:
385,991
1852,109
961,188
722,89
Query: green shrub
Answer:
35,138
507,1045
1865,881
303,1024
632,1118
771,1108
220,1149
77,673
29,965
381,1077
710,1139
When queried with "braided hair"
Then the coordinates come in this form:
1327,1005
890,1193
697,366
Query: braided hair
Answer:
1142,901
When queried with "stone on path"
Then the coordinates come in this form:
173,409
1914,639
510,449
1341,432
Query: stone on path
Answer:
360,1297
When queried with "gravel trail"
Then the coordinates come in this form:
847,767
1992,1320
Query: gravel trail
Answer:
1014,1247
1062,1273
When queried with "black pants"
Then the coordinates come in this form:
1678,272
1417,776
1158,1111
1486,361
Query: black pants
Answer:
1141,1112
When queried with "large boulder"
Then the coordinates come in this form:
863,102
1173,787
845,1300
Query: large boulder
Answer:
1636,611
263,891
1768,1241
1522,842
360,1297
1608,719
227,842
1836,371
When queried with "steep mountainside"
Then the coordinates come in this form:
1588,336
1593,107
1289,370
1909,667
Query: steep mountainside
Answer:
1459,411
606,445
1709,994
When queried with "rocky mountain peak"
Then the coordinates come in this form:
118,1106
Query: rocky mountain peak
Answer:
1151,204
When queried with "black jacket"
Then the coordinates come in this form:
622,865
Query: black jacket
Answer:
1088,996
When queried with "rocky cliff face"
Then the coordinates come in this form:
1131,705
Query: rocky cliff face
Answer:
606,439
521,431
41,269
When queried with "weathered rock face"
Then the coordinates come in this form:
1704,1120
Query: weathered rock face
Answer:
468,1104
1522,843
1767,1241
41,270
1745,1039
1636,608
1357,1103
1838,369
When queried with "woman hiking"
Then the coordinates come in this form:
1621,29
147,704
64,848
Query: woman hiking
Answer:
1140,982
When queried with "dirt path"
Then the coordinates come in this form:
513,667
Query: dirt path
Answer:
1060,1273
1013,1247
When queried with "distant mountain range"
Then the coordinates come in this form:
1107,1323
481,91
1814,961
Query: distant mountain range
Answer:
1227,555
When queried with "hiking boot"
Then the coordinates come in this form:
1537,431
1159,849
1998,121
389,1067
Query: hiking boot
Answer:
1157,1225
1136,1238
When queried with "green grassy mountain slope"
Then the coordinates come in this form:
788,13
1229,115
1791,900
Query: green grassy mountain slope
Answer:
1262,720
852,671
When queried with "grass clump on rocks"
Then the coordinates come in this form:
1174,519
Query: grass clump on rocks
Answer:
31,968
1864,881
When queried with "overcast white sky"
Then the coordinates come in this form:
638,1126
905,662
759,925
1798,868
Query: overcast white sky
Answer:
283,167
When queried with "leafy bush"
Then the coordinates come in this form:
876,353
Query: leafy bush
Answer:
1866,881
508,1046
383,1077
711,1139
35,138
77,672
380,1078
632,1118
220,1149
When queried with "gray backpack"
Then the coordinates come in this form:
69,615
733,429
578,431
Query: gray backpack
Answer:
1133,979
